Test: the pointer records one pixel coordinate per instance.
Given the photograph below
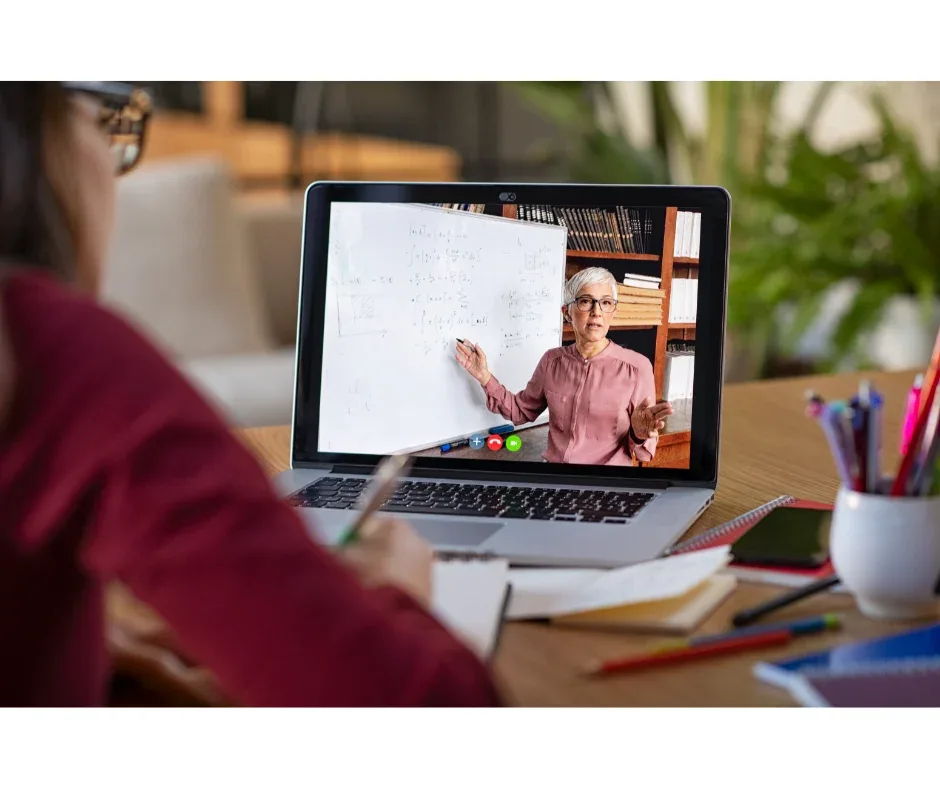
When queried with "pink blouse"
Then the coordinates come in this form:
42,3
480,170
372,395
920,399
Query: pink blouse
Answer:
590,403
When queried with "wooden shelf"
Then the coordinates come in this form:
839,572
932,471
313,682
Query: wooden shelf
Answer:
609,255
685,260
568,332
682,326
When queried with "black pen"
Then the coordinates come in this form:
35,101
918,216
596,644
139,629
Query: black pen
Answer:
745,617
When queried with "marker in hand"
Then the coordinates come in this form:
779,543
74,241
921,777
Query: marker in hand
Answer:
472,358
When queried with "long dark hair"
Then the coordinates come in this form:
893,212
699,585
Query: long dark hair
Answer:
36,230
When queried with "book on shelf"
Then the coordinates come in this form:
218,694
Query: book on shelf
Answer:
460,206
679,377
641,292
688,230
683,300
645,282
615,230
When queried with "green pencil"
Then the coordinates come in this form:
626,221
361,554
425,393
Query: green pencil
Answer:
385,479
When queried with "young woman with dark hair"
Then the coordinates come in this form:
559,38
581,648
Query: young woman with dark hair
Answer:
113,468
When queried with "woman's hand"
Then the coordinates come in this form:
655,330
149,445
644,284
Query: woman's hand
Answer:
473,359
389,551
647,418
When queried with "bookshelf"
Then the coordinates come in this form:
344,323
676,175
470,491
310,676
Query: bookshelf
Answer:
675,442
668,267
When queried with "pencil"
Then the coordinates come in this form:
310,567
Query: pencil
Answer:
386,477
642,661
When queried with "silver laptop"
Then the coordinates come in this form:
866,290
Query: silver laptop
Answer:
515,339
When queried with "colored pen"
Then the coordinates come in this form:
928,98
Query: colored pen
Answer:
454,445
875,432
803,626
386,478
745,617
830,419
933,370
928,453
814,404
902,481
468,344
860,426
656,658
502,429
910,413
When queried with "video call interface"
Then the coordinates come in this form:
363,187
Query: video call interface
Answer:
528,333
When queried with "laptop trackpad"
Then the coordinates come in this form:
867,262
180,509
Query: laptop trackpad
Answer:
453,531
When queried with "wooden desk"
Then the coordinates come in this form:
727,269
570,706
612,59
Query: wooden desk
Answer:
768,449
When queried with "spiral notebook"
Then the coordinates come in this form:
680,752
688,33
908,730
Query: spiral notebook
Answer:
728,533
470,595
916,649
907,685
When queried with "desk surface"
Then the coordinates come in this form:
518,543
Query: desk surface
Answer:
768,448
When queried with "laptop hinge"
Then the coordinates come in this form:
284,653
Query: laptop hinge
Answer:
508,476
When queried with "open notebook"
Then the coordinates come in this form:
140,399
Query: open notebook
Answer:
666,595
470,597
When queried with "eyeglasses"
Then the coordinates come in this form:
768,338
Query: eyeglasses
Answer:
124,112
586,303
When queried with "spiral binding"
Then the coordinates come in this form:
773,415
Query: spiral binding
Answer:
894,667
719,531
457,555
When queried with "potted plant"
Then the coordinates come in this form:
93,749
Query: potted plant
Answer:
835,255
838,255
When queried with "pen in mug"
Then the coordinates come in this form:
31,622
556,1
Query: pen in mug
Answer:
910,412
928,453
832,426
875,432
814,403
860,405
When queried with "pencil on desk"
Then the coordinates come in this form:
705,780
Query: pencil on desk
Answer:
656,658
724,643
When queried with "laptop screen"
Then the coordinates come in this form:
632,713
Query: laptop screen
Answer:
527,333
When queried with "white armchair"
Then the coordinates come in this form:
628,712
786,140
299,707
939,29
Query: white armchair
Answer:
212,277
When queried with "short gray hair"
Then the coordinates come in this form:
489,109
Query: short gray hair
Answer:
589,276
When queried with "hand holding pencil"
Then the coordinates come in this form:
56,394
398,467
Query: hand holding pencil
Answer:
388,551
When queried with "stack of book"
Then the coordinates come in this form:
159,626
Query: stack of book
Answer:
680,371
640,301
688,230
615,230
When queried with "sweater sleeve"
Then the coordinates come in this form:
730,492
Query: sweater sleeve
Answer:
187,519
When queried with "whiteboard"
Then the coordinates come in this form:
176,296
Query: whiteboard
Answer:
403,282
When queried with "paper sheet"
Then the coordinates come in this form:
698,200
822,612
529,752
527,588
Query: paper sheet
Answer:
543,593
468,598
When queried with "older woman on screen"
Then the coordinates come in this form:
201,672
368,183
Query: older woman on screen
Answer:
600,396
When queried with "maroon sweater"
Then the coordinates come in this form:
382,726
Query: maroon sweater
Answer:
113,467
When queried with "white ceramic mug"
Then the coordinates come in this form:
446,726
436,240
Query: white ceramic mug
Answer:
886,551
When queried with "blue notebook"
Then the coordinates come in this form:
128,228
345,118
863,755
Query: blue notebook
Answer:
917,646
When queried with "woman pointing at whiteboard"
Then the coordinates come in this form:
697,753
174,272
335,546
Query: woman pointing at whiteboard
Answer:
601,397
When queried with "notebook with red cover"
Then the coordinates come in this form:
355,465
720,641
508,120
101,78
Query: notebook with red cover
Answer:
728,533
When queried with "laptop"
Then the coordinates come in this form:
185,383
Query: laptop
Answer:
438,320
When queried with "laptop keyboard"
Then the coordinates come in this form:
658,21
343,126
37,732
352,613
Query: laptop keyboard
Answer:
481,500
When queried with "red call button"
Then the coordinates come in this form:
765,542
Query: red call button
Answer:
494,442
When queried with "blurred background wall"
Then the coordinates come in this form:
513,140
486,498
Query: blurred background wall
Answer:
835,260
